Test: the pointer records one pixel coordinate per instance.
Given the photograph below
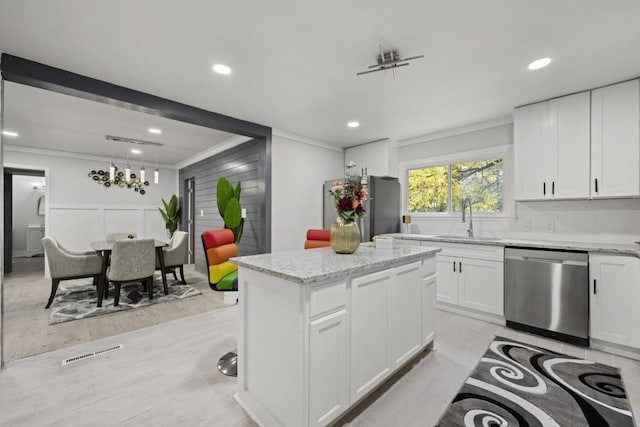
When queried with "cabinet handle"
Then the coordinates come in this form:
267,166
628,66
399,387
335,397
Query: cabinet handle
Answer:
454,266
553,187
544,188
460,266
596,185
595,287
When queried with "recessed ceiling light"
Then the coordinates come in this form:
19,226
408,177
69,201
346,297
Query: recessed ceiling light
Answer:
539,63
222,69
135,151
155,131
353,124
10,133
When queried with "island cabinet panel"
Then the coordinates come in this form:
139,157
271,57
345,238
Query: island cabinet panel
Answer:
369,331
405,327
429,285
328,367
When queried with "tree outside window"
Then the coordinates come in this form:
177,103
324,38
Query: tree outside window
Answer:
442,188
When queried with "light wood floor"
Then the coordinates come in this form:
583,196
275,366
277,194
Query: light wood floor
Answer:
166,375
26,322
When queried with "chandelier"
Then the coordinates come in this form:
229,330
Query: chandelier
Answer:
113,177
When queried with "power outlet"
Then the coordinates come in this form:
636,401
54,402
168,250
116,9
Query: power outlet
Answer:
549,227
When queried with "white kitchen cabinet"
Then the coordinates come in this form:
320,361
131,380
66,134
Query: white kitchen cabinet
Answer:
405,314
380,158
614,299
370,331
552,148
471,277
429,285
615,140
328,367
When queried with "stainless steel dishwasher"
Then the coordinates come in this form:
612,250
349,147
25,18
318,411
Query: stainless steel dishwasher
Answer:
547,293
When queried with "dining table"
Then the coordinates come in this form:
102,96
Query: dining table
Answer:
104,248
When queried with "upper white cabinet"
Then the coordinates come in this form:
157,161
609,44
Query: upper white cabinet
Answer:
552,149
615,295
615,140
380,158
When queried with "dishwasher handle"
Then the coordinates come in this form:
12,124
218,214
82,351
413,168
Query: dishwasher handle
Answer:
546,260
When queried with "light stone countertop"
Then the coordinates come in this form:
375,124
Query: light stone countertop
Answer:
614,248
314,265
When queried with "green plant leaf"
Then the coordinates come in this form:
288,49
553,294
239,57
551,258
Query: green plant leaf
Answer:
224,192
232,213
236,193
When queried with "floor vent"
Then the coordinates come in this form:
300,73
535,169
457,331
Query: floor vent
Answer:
86,356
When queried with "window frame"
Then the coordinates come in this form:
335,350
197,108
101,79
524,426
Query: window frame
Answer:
502,151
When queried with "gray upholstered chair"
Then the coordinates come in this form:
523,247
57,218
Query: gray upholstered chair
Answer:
119,236
176,255
66,265
132,260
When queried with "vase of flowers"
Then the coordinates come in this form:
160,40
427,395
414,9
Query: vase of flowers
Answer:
349,197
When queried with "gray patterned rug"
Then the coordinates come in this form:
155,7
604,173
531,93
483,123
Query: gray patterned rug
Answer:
517,384
76,299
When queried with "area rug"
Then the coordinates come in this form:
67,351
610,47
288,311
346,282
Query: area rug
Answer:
517,384
76,299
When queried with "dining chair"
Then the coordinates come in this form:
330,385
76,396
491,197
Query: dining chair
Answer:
120,236
132,260
66,265
176,255
219,246
317,238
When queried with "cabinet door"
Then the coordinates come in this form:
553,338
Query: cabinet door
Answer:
615,140
369,331
531,129
447,286
405,313
428,309
615,296
328,368
481,285
568,157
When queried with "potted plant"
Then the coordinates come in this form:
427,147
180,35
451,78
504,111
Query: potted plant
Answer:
228,200
171,214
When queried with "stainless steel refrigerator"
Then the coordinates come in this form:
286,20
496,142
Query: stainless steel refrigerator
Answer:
382,207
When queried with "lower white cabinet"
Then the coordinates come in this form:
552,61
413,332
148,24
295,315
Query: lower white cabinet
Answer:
471,277
328,367
615,298
428,316
370,331
405,314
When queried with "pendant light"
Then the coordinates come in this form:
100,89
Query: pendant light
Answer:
127,170
143,171
112,167
156,173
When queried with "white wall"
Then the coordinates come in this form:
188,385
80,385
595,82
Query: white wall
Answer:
299,170
79,210
25,209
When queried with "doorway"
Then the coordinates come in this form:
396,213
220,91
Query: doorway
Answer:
190,191
24,220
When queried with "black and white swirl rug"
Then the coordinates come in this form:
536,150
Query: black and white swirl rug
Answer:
517,384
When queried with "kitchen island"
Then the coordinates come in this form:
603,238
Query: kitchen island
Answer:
319,331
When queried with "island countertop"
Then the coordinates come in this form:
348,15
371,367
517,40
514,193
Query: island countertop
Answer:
315,265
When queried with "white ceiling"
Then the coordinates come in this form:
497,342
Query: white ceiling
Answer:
294,62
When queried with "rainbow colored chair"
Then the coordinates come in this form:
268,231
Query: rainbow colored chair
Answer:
317,238
219,246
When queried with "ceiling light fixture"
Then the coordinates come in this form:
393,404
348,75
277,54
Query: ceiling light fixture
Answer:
222,69
126,179
389,60
353,124
10,133
155,131
539,63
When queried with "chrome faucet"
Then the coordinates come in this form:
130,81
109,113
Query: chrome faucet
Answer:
466,201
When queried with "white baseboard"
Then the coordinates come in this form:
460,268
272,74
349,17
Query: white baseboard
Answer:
487,317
